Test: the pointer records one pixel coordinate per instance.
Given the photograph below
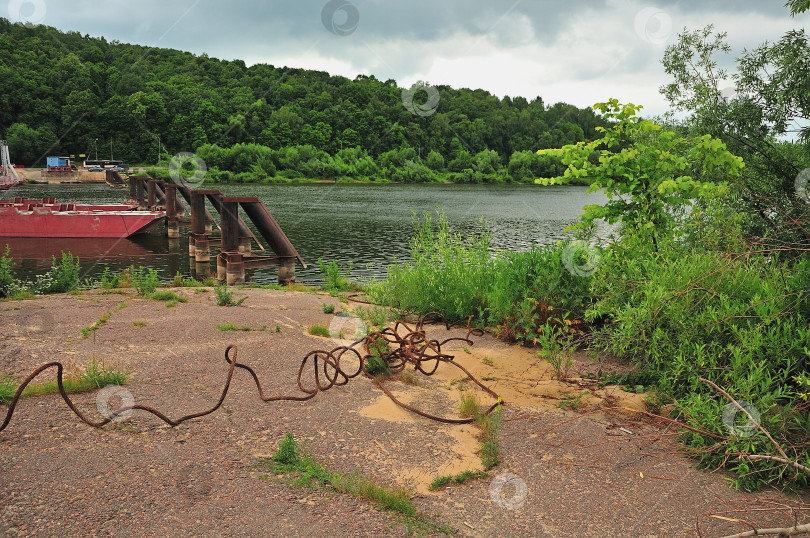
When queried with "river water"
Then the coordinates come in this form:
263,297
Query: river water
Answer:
367,225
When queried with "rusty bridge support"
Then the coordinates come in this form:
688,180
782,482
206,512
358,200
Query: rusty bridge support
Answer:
139,194
151,194
198,241
275,237
230,265
172,221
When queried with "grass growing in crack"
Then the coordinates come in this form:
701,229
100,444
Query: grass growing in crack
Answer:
301,469
573,402
232,327
490,424
139,323
460,478
96,375
490,448
408,378
489,361
469,406
318,330
101,321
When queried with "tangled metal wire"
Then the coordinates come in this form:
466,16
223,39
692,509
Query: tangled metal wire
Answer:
406,345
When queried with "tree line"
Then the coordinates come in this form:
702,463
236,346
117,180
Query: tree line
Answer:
67,93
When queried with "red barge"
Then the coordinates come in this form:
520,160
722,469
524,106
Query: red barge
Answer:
47,218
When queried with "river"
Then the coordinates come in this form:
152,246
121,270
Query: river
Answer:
367,225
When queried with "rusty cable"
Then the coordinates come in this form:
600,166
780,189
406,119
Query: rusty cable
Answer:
413,347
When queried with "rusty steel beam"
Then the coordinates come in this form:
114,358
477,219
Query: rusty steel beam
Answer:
186,193
139,192
215,197
230,225
151,193
268,228
197,201
160,193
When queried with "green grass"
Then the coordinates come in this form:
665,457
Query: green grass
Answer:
377,317
328,308
318,330
490,424
573,402
139,323
301,469
95,375
489,361
168,296
469,406
443,480
408,378
232,327
98,324
490,451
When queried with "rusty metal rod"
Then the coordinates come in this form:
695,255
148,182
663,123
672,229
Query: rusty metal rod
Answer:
414,348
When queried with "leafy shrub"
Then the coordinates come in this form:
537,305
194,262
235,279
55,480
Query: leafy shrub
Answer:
62,277
448,274
737,321
530,289
225,297
109,282
334,280
376,367
6,274
145,281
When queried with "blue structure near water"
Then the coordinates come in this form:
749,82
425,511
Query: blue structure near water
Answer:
58,161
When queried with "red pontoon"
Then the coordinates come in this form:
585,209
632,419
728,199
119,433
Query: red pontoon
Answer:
47,218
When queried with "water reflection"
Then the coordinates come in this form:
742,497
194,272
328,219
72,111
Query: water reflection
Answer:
359,224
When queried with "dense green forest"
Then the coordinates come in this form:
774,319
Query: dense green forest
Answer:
65,93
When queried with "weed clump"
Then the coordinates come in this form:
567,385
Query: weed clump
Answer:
144,280
318,330
225,297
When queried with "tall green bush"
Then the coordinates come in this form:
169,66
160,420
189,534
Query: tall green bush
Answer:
6,274
448,274
739,321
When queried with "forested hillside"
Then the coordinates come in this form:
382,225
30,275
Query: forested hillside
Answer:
65,93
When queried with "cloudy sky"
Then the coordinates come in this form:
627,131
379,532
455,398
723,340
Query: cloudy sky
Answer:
577,51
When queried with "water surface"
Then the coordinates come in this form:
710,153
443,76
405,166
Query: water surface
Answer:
356,223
